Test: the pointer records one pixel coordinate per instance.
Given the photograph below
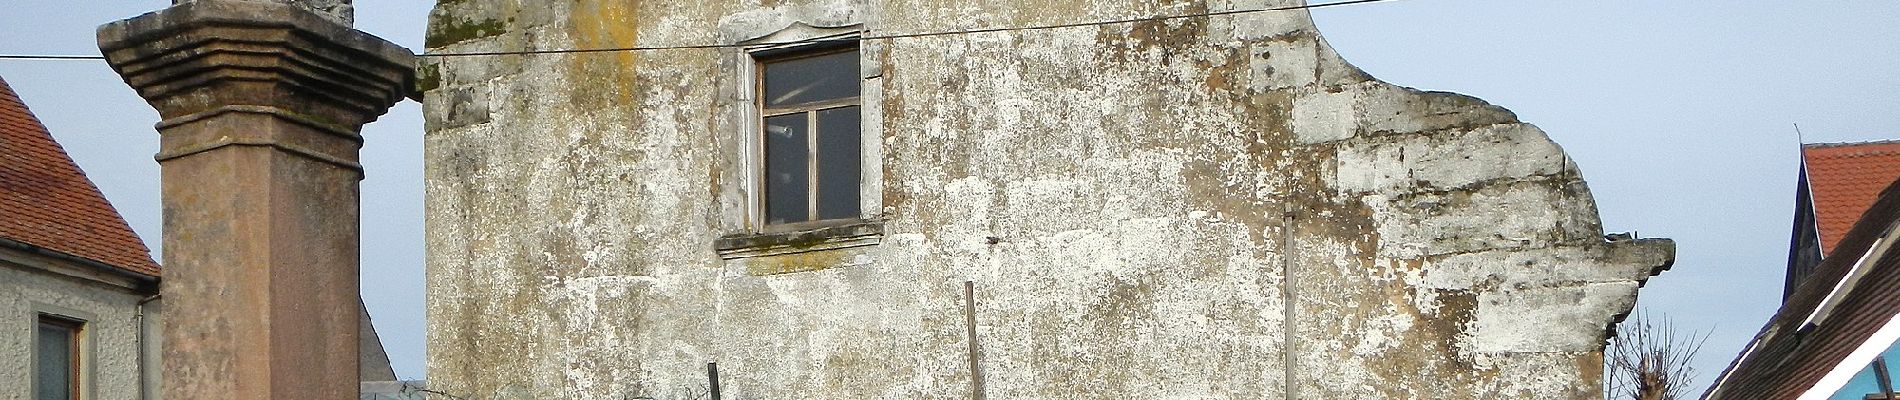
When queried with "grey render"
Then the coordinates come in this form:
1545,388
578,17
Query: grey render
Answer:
32,284
1205,207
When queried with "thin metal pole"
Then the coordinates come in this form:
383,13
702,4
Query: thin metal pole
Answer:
712,377
969,329
141,338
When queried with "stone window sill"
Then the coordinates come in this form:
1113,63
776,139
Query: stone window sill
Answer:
842,235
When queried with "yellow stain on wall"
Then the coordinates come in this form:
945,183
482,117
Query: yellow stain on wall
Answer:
604,24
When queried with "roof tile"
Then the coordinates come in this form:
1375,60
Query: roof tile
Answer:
1844,179
46,201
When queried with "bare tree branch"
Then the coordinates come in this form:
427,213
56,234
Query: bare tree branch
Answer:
1649,360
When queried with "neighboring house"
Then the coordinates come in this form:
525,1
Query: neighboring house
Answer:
1826,341
1838,326
847,204
77,286
1838,182
77,320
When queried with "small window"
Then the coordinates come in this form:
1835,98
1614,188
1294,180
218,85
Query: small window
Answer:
56,359
809,104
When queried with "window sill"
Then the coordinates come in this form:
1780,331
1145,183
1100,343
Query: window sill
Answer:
844,234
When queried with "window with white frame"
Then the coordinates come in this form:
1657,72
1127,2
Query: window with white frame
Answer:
809,102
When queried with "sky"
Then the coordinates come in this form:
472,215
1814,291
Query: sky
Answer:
1682,116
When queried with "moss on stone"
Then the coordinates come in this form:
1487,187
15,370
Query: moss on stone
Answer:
798,262
453,31
428,77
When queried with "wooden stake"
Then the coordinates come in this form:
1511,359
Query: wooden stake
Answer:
969,329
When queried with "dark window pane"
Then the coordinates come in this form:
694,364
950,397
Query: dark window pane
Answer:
53,362
838,162
802,80
787,175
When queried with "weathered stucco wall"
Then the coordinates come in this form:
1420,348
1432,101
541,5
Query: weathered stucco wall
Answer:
110,353
1134,202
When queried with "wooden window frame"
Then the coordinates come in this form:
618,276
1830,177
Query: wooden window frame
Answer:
75,356
748,233
760,59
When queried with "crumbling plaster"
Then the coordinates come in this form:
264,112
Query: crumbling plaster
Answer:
1128,200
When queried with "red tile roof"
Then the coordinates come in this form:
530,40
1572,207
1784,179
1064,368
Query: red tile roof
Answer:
1844,179
47,202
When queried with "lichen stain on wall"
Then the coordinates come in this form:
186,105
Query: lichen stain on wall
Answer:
605,24
1120,195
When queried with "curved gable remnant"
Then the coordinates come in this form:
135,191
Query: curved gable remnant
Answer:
1196,207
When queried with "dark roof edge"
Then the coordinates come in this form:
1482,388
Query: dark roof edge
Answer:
116,270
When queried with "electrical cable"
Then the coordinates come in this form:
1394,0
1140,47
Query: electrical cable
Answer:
48,57
806,41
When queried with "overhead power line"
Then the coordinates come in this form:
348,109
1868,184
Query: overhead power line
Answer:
47,57
819,40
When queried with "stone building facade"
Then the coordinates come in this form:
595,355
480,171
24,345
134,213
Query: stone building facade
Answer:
1213,206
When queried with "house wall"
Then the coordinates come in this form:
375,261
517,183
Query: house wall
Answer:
110,353
1134,204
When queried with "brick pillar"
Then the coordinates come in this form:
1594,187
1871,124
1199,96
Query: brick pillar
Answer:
261,104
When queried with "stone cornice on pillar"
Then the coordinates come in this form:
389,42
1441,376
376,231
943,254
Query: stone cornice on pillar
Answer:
262,105
205,58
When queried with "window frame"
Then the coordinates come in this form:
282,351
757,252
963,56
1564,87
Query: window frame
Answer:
763,34
76,367
777,49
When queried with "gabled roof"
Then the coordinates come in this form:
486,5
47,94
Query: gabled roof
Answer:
1844,179
1828,315
47,202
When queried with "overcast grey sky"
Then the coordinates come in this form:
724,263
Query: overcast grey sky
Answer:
1680,114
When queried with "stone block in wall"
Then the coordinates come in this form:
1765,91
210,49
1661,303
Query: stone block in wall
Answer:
1262,25
1518,215
1555,266
1282,63
1392,109
1547,319
1449,160
1375,108
456,107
